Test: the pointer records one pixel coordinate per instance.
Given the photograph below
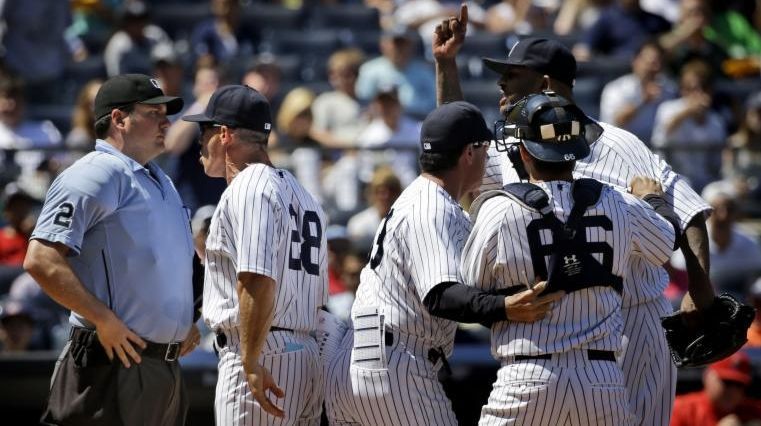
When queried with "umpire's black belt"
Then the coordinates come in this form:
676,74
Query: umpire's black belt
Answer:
163,351
221,337
592,355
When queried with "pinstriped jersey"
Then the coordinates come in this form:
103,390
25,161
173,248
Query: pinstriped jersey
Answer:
508,239
417,246
266,223
615,158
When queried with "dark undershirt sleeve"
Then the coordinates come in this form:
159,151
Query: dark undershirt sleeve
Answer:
662,208
462,303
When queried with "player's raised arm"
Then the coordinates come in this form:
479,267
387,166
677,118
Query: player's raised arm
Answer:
448,38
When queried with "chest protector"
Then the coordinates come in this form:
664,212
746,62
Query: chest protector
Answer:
571,265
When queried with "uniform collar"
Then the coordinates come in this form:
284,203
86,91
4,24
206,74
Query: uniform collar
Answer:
103,146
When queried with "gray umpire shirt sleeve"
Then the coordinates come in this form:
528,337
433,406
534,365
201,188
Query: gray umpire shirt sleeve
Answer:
79,198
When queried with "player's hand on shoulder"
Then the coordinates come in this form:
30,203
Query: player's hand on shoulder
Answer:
449,35
260,381
191,341
640,186
531,305
118,340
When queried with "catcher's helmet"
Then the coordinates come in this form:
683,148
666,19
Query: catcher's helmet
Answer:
550,127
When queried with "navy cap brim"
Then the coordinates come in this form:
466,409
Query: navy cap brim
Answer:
496,65
173,103
197,118
573,150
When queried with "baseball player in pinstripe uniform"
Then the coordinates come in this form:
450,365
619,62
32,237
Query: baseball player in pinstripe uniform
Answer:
411,292
582,236
266,274
616,158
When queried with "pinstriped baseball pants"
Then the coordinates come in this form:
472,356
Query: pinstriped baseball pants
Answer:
293,361
567,390
649,373
406,393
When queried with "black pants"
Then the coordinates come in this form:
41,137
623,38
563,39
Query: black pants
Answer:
87,389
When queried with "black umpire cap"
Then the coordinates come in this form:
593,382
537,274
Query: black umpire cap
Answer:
129,89
453,125
542,55
236,106
550,127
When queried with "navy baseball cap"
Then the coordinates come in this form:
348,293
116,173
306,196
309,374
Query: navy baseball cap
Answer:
452,126
236,106
550,127
128,89
542,55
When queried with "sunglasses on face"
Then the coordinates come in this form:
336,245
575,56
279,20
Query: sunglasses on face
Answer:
208,126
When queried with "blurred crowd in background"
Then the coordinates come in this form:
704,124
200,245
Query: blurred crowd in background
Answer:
350,82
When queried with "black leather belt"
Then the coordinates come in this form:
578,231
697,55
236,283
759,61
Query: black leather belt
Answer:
434,354
592,355
221,338
164,351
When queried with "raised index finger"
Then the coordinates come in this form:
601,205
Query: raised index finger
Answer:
463,14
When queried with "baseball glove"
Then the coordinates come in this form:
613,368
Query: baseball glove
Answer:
724,332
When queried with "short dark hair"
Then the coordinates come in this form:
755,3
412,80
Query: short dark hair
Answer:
441,161
11,86
251,136
104,123
554,167
650,42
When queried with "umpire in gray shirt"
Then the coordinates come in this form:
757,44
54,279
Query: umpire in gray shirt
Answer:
113,245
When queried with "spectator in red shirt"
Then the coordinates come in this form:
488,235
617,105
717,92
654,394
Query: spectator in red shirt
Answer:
722,402
19,214
754,332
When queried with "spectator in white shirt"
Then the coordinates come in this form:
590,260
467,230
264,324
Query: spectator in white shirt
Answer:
735,254
383,190
690,133
630,101
392,138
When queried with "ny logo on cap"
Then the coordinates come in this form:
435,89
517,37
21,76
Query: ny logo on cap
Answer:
267,126
155,83
512,49
426,145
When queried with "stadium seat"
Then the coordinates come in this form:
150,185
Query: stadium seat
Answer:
290,66
310,43
77,74
263,17
367,41
586,93
355,17
481,92
485,95
59,114
179,19
485,44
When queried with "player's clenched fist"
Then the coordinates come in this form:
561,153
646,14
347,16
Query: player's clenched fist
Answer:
528,305
640,186
450,34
